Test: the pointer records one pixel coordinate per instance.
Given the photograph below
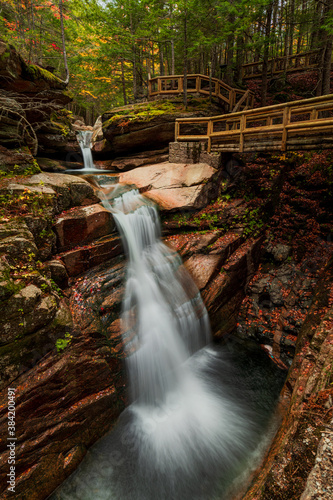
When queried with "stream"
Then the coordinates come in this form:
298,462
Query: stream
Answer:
200,414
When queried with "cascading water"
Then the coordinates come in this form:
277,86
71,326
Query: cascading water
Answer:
84,140
187,433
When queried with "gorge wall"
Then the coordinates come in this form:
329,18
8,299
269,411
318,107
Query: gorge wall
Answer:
254,231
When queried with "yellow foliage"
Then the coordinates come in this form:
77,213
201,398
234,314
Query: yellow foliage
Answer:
83,91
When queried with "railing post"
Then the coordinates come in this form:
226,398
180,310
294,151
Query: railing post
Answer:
241,130
232,98
181,84
177,126
197,84
314,114
159,85
209,132
285,122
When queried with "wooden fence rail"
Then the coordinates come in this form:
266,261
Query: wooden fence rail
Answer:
200,84
299,62
304,124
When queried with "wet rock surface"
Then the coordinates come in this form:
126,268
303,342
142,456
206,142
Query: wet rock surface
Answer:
60,413
174,186
221,265
285,309
299,463
82,226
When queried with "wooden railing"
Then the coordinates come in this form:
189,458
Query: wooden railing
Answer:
299,62
200,84
305,124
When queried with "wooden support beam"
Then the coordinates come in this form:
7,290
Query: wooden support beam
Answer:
241,138
177,127
209,134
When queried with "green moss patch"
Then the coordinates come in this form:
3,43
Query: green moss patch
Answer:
35,73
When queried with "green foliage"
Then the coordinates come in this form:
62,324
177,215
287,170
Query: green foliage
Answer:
207,217
115,46
16,170
61,344
24,203
56,288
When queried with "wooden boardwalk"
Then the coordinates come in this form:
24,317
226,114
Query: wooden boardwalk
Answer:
304,61
234,99
297,125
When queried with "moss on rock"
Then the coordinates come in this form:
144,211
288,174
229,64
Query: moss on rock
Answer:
35,73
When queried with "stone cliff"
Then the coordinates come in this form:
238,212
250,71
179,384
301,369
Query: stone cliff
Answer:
32,101
255,233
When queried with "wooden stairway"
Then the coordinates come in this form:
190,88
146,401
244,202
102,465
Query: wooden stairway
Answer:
171,85
296,125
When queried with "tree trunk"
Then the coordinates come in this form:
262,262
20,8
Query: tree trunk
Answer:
63,41
239,58
123,81
32,42
327,55
161,59
172,57
315,30
264,80
291,28
185,56
301,30
230,53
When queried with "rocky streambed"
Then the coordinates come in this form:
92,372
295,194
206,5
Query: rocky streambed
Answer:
62,271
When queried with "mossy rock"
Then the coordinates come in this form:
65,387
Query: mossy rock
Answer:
22,354
140,112
36,73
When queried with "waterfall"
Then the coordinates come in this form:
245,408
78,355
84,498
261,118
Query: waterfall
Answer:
188,431
84,139
164,318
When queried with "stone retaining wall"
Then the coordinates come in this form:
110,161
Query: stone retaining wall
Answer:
192,152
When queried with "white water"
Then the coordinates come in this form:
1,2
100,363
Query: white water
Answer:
186,435
84,140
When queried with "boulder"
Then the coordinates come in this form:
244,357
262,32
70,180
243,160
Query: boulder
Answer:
17,242
125,136
186,198
81,259
30,309
57,272
147,126
18,76
82,225
71,190
175,186
14,162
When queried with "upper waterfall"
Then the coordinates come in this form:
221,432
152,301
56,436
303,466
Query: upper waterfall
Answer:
84,139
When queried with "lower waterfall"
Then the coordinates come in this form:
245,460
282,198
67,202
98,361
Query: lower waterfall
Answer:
191,427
